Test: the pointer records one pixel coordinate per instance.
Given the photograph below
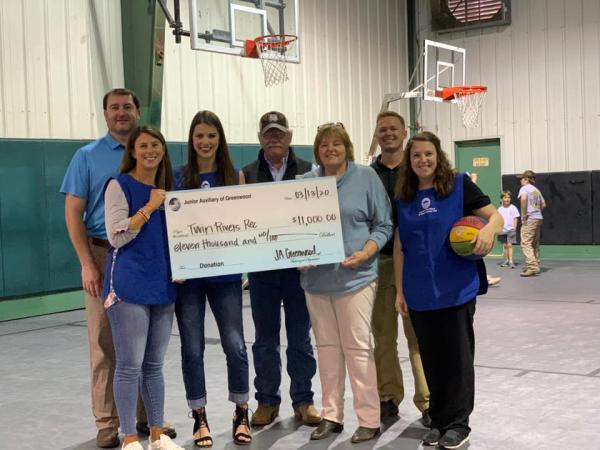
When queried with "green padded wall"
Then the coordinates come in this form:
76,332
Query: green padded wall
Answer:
36,252
37,256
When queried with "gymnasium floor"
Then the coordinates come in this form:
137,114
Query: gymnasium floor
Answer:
537,369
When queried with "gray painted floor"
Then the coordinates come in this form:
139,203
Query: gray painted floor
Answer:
537,369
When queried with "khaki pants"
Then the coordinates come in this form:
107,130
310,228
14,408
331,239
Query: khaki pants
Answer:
102,354
385,330
530,243
342,327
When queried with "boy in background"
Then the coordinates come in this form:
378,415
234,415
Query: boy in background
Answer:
510,214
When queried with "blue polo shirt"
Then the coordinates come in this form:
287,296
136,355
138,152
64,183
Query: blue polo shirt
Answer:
91,166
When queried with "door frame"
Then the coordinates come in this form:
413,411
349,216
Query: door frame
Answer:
473,140
495,200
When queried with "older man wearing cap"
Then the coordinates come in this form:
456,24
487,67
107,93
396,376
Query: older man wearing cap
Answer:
532,204
268,290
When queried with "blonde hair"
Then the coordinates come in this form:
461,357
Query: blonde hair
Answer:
336,130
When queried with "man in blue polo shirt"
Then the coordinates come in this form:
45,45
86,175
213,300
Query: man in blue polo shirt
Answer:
83,186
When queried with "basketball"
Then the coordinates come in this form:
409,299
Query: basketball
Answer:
462,234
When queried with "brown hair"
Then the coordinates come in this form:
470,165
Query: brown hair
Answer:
226,174
407,184
505,194
337,130
120,91
383,114
164,174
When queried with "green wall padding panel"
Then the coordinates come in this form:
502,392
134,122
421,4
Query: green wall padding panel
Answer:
36,253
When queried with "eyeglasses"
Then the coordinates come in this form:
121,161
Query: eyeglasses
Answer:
331,125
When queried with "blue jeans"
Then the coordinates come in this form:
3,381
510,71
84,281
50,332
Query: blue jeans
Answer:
225,301
141,336
267,291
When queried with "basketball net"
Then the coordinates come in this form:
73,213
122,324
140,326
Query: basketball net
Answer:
273,51
469,100
470,105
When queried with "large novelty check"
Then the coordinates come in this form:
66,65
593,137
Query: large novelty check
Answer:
250,228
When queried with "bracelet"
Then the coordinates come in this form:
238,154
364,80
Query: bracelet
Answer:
144,214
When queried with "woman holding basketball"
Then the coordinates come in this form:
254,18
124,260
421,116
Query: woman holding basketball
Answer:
439,288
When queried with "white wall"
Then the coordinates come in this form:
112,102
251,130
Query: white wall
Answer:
352,53
543,75
57,58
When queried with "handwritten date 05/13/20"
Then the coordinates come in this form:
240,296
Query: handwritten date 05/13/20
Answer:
314,219
312,193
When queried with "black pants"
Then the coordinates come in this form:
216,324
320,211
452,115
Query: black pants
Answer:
447,344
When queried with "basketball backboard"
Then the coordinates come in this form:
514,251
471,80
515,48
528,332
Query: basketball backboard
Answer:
443,66
439,66
224,25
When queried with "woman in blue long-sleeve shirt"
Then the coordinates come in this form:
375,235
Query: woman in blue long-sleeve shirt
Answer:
340,296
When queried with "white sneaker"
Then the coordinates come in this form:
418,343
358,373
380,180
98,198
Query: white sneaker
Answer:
492,281
133,446
164,443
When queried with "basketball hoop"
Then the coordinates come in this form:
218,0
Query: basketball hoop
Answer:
469,100
274,51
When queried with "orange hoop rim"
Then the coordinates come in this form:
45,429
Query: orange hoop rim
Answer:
284,40
449,93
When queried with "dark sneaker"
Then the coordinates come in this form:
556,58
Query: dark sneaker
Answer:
108,438
426,419
388,409
432,437
453,439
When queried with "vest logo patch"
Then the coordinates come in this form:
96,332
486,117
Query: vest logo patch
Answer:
426,207
205,185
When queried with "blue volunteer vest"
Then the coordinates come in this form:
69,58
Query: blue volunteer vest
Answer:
141,270
434,276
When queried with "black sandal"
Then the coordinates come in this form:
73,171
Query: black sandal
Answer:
240,417
200,421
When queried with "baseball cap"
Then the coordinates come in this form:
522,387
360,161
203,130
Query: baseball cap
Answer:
529,174
273,119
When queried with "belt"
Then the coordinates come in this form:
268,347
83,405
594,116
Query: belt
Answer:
100,242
